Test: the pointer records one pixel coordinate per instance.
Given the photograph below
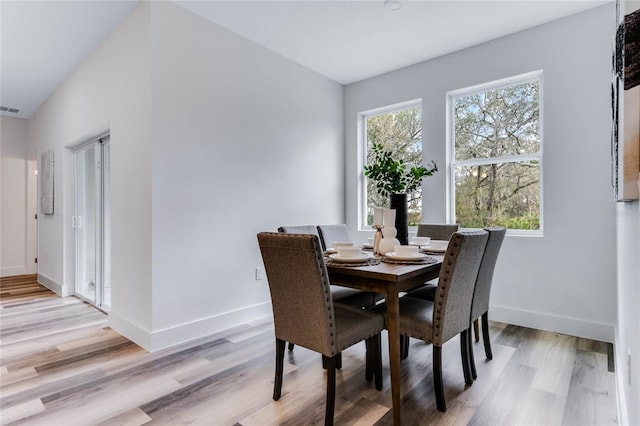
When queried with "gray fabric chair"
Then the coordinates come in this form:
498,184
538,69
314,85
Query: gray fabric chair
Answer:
448,315
437,231
304,314
332,233
481,295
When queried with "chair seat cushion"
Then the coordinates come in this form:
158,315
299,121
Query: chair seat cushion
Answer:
416,317
353,323
353,297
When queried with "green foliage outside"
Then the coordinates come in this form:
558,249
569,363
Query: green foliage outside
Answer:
488,126
400,134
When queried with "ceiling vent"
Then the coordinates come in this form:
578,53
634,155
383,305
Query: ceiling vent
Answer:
7,109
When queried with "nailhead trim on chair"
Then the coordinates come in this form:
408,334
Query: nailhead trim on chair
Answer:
452,253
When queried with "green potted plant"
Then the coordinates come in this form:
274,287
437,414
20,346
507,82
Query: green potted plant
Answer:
391,178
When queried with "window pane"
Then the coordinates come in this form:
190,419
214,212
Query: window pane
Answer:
401,132
506,194
498,123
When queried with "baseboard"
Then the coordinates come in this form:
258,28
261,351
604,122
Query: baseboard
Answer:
554,323
133,332
621,372
13,270
51,285
171,336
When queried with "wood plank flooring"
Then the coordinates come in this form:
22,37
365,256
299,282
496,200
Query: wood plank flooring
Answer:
61,365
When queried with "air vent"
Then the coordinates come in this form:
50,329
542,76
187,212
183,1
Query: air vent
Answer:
7,109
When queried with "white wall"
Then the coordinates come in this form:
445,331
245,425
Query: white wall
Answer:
564,281
627,348
111,90
244,141
213,139
628,333
13,213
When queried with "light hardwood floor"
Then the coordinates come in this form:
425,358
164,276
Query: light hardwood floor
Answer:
61,365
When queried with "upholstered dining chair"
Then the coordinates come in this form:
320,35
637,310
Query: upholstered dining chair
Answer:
437,231
332,233
481,295
448,315
305,314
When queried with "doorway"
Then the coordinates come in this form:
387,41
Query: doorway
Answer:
92,222
31,262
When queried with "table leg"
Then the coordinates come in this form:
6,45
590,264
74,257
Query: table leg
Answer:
393,328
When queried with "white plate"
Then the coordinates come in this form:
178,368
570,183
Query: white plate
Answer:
436,246
367,246
330,251
395,256
351,259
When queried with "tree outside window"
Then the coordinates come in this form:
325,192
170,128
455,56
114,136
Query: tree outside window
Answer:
401,132
496,163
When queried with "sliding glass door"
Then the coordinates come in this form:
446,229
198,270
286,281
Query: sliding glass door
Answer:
93,223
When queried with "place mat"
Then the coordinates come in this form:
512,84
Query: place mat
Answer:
426,261
368,262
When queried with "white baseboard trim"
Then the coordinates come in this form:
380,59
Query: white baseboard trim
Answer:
137,334
554,323
51,285
12,270
171,336
621,395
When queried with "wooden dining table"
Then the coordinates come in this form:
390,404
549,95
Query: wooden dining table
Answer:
389,279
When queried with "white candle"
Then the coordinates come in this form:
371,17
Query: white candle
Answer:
377,216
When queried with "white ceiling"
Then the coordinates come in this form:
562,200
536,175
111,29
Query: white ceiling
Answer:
347,41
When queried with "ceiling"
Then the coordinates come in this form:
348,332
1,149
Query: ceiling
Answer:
347,41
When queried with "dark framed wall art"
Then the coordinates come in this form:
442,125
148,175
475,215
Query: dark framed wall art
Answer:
625,95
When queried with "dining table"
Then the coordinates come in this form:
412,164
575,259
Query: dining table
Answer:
389,279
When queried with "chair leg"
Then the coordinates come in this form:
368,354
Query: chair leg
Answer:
368,370
472,358
485,335
437,378
331,390
476,330
338,361
464,354
404,347
291,345
277,385
376,358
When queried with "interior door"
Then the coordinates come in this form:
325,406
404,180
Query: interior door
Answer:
92,222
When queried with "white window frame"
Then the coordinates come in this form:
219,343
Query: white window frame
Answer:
362,153
451,163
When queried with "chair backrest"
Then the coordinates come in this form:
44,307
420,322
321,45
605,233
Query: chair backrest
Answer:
458,274
332,233
300,229
437,231
300,293
482,292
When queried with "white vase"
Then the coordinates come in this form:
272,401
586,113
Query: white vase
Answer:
389,240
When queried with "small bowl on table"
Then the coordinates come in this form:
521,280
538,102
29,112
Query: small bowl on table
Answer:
420,241
349,251
405,251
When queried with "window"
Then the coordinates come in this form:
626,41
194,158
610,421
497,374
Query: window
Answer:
399,129
495,156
